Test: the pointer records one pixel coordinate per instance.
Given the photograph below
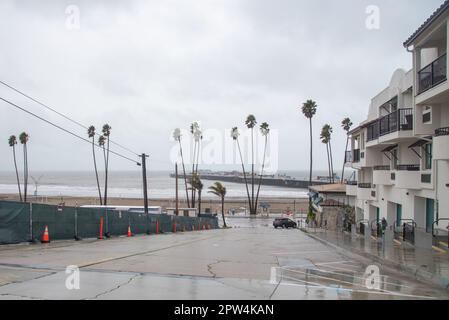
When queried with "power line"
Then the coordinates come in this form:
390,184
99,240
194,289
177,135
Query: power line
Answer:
62,115
65,130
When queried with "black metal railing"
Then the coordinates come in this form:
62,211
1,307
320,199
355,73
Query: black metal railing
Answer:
433,74
372,131
408,167
356,156
382,168
442,132
400,120
348,157
365,185
351,183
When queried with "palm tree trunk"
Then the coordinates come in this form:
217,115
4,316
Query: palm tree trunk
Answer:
252,172
261,174
222,212
193,173
96,170
199,201
17,172
185,176
328,163
344,161
105,202
332,161
311,151
311,159
244,175
25,172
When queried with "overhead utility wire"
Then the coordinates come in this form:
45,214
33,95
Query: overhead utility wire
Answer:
65,130
62,115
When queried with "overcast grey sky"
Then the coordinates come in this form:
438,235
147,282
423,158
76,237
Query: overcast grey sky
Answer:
146,67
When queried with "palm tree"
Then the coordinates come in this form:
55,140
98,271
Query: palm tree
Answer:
251,123
177,137
24,137
106,133
198,186
197,136
235,136
12,141
91,134
264,130
324,136
346,124
219,190
309,110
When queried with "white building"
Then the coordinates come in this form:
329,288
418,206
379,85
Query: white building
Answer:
401,151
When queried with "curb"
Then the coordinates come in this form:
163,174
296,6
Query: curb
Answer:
368,258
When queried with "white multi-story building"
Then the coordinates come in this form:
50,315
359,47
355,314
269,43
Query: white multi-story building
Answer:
401,152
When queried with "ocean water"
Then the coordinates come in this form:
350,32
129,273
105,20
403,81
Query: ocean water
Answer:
128,184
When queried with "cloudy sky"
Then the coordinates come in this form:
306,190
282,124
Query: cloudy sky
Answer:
147,67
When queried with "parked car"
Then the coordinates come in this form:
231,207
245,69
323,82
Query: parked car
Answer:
284,223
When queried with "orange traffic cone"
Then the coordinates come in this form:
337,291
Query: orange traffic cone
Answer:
129,232
46,236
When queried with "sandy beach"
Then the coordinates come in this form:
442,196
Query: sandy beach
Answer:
277,205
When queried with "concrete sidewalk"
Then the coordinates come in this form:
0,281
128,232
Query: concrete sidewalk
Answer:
424,264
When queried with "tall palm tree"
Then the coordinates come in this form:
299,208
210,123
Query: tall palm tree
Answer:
324,136
235,136
106,133
264,130
251,123
91,134
309,110
197,137
198,186
346,124
24,137
12,141
177,137
220,191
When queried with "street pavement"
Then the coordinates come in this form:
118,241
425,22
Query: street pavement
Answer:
250,261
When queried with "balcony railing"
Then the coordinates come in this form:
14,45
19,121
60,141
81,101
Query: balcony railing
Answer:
351,183
408,167
442,132
433,74
356,156
365,185
382,168
348,157
400,120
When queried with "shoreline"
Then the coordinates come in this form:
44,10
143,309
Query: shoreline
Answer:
277,204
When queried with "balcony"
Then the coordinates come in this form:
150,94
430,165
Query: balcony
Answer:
441,144
351,188
433,74
400,120
364,191
382,175
408,176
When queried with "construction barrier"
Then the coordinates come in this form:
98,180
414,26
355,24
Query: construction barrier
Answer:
22,222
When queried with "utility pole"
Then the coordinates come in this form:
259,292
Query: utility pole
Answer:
177,200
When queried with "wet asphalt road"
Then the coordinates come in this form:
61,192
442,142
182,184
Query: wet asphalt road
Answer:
250,261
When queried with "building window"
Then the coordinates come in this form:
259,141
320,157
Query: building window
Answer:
428,156
427,115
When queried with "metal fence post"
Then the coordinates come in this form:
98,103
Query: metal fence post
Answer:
77,238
